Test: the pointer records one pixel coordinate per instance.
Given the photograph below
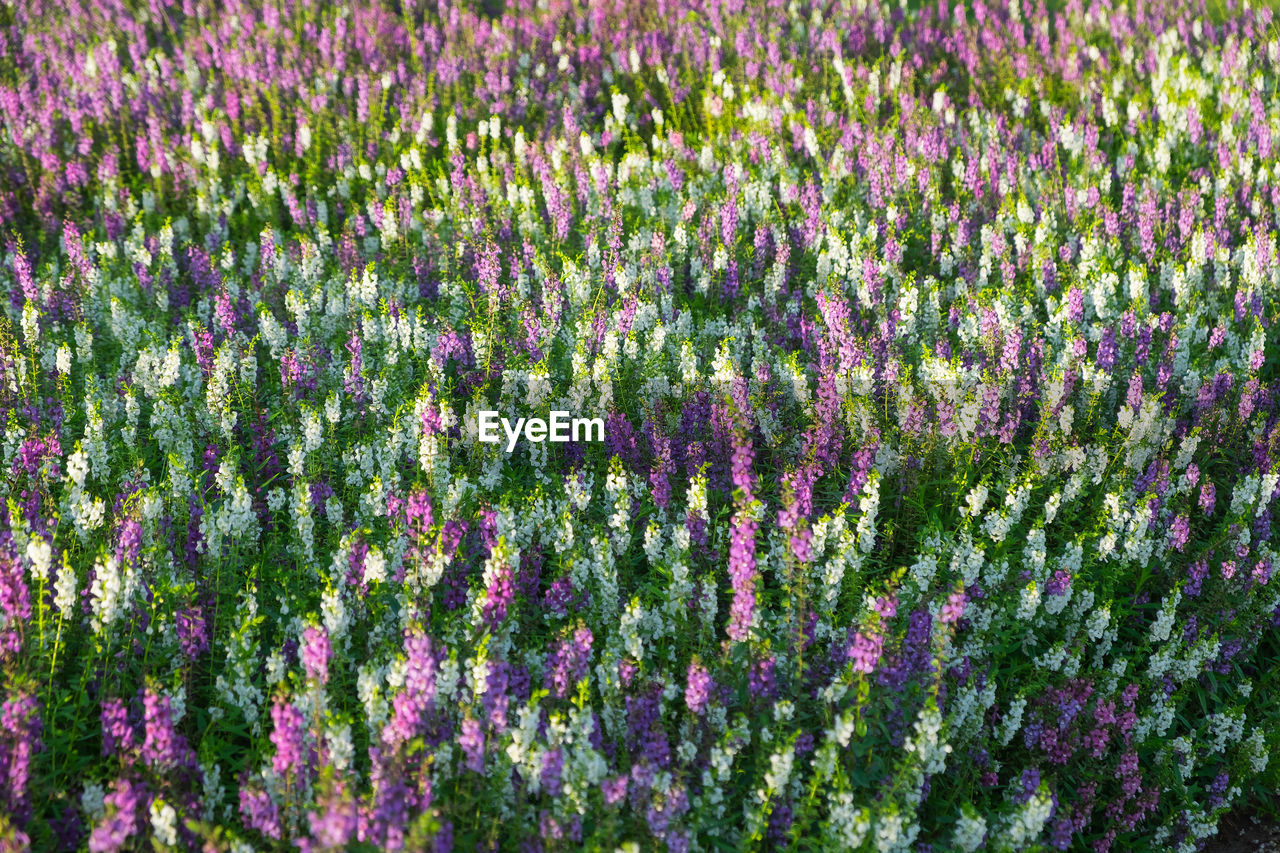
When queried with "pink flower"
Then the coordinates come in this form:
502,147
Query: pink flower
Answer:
865,651
954,608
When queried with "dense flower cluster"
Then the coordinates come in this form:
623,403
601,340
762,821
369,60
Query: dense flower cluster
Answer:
933,346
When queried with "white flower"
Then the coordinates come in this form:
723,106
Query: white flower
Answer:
976,500
1163,623
1098,622
1012,720
110,592
1025,825
889,834
64,588
40,553
1029,600
341,747
847,827
688,364
30,322
369,691
780,764
375,566
164,822
970,831
653,543
1051,507
78,466
844,729
620,102
91,800
447,680
312,431
333,511
334,614
1259,754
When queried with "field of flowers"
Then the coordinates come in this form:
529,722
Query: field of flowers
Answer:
935,348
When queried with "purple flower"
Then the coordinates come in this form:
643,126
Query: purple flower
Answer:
698,687
1198,571
742,457
162,746
334,824
953,609
418,514
762,677
1134,398
558,597
742,576
225,312
499,595
886,606
614,789
353,381
567,663
1059,583
15,600
471,740
410,706
259,812
1029,783
125,809
1075,305
193,632
552,771
117,733
20,728
1179,532
863,461
1208,497
865,650
316,653
286,737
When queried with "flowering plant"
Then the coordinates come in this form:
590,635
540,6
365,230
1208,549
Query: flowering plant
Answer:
931,350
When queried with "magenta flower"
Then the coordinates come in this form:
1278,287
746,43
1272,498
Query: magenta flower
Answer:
953,609
163,746
125,817
471,741
316,653
742,576
699,687
865,651
286,736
